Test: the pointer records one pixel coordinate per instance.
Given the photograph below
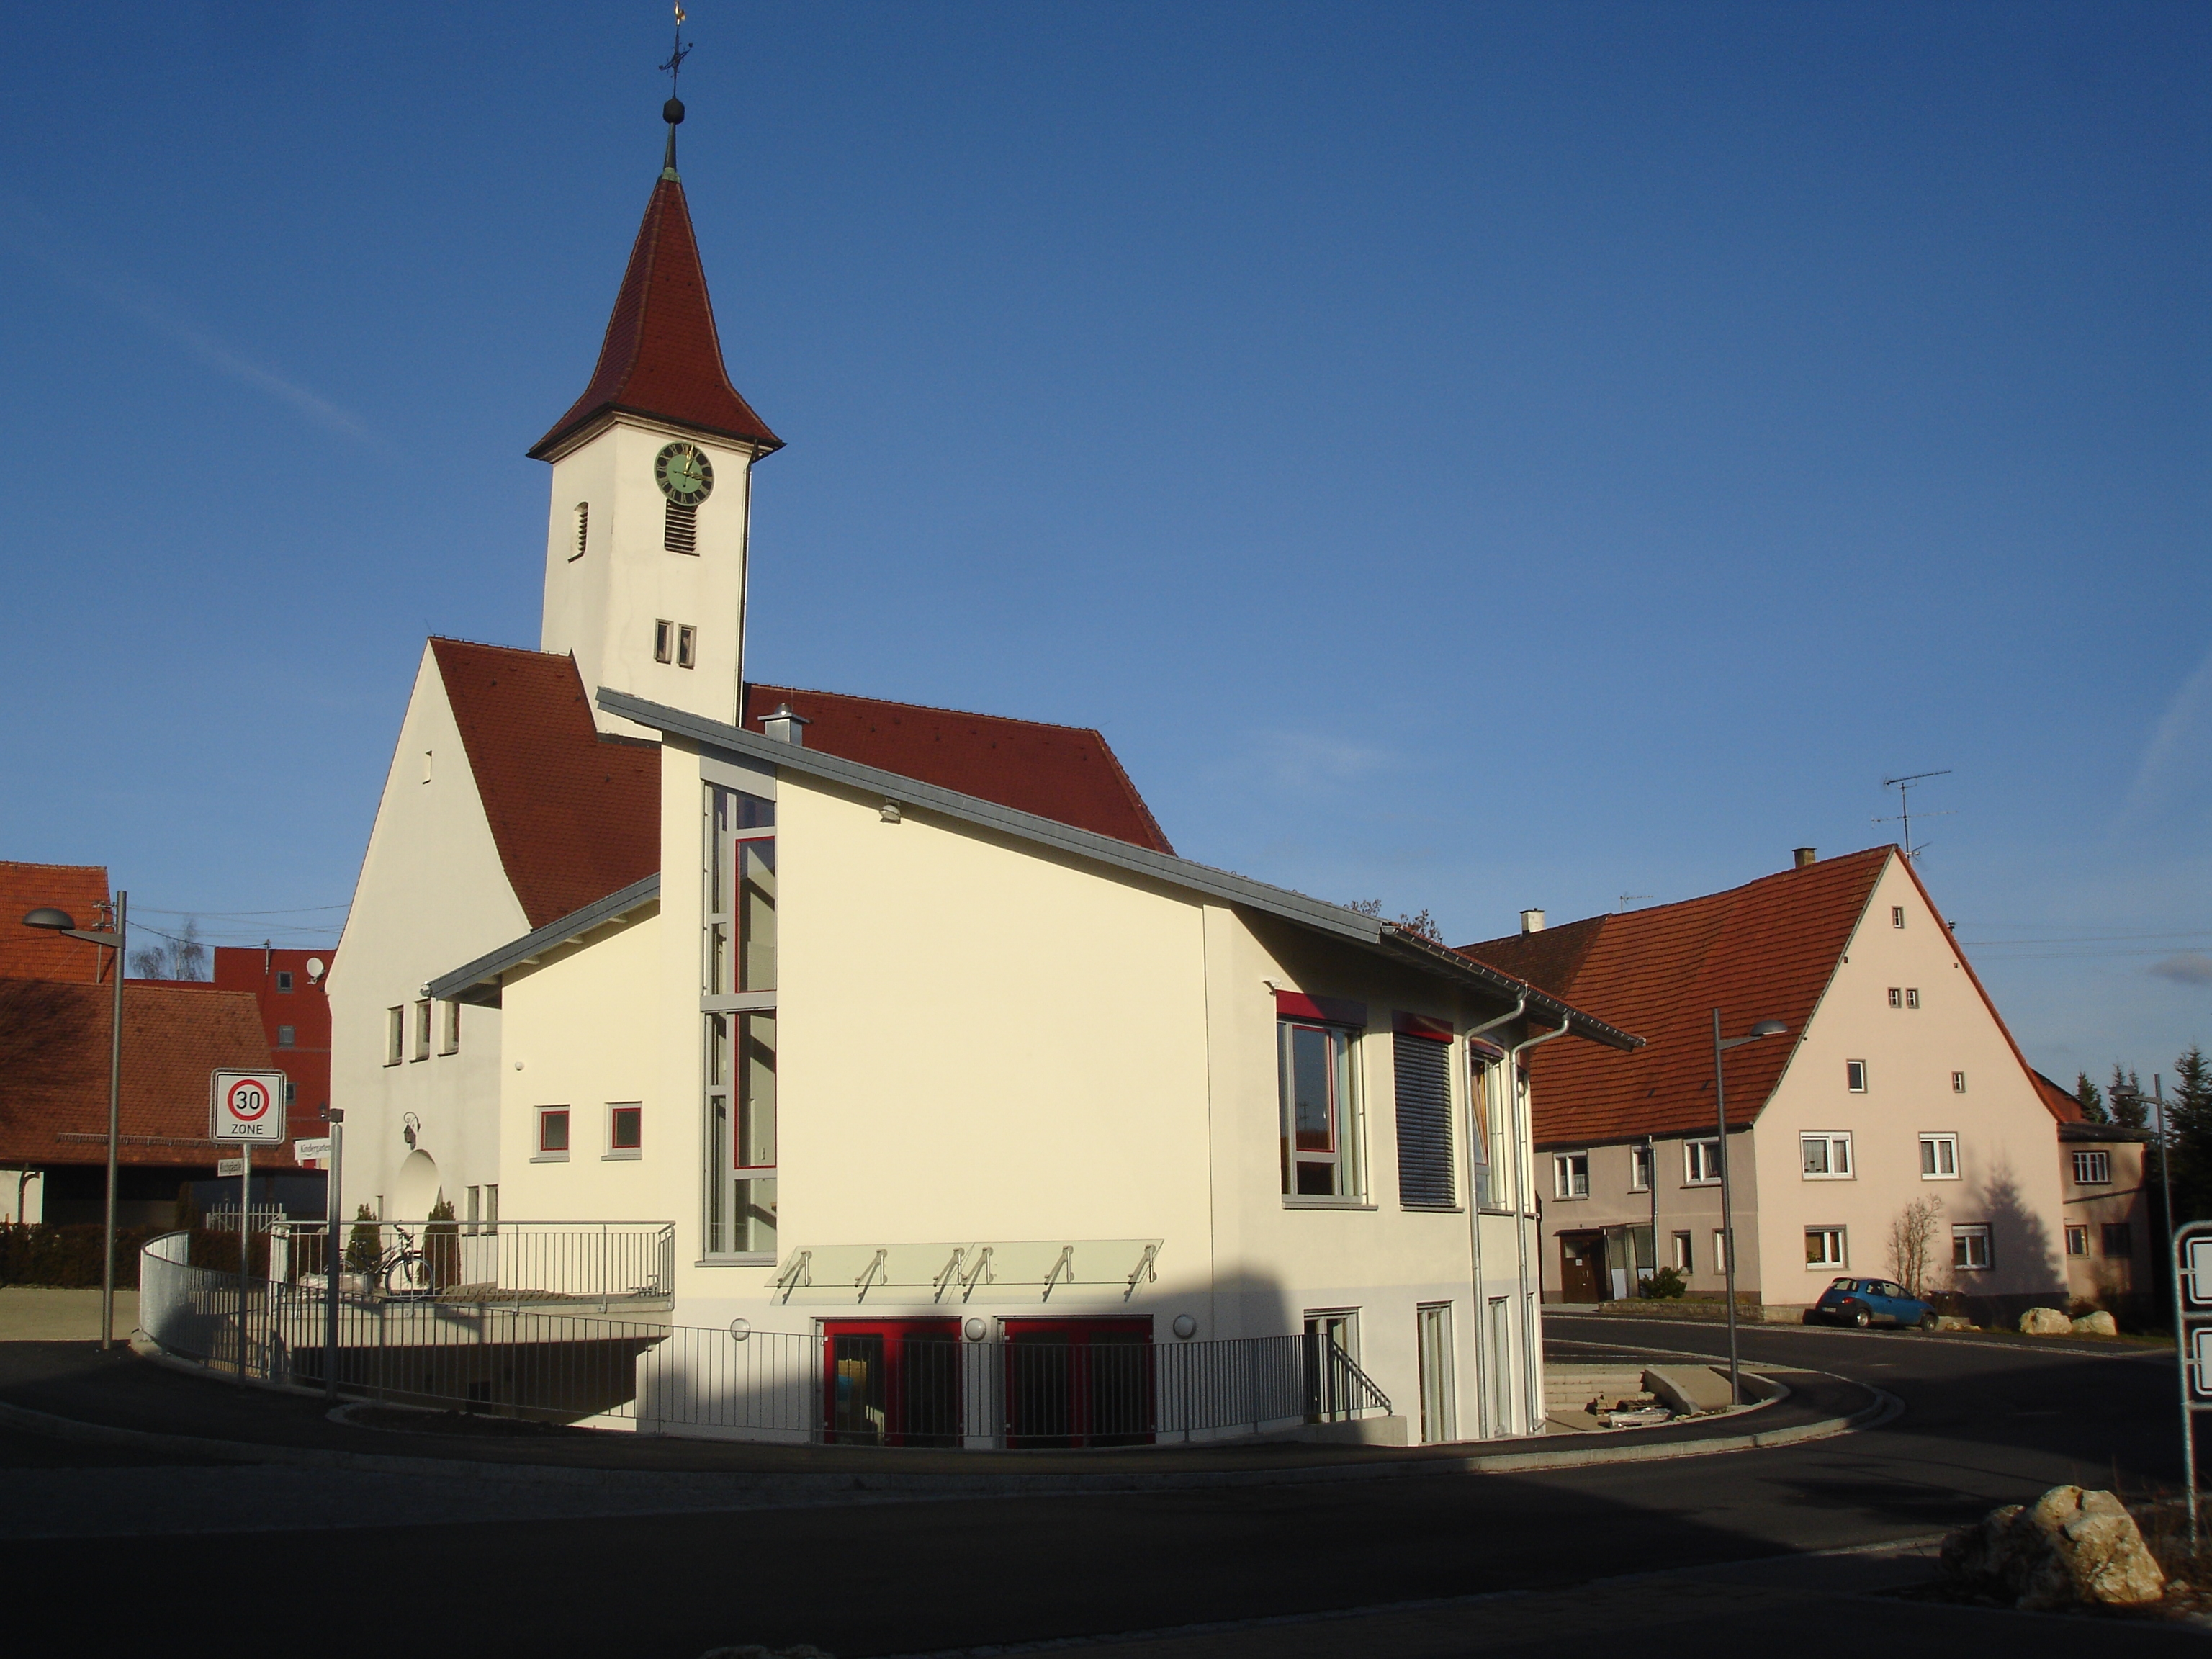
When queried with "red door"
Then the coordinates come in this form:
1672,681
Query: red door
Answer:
890,1382
1079,1382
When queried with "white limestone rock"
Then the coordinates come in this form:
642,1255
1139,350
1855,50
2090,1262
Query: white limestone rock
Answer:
2099,1324
2068,1548
2046,1321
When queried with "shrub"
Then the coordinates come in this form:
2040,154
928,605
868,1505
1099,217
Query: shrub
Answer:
1662,1286
441,1246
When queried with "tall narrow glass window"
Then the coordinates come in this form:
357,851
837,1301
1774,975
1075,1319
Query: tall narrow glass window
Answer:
738,985
1321,1125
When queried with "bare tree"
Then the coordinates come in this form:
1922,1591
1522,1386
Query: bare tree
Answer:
1912,1243
176,955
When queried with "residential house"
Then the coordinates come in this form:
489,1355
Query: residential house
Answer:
1895,1085
909,1023
2114,1259
56,1012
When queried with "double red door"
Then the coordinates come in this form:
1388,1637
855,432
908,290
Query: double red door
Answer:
891,1381
1079,1382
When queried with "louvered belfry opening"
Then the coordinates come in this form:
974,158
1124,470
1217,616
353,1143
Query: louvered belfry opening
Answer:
1423,1077
583,528
681,534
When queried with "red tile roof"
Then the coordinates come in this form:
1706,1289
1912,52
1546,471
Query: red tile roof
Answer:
576,815
54,1060
1765,951
661,356
35,953
2061,1101
1065,773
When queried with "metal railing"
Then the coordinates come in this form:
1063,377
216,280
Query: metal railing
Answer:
486,1263
536,1360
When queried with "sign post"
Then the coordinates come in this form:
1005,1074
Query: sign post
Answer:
245,1108
2192,1338
334,1258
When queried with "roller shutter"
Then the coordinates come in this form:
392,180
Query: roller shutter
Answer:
1423,1071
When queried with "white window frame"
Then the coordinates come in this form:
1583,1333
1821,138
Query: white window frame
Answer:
1720,1252
1706,1153
1830,1142
1685,1252
2077,1232
1937,1150
1569,1170
1643,1167
1965,1236
2093,1168
1835,1249
1855,1077
1912,996
542,1117
1897,915
1897,996
1958,1082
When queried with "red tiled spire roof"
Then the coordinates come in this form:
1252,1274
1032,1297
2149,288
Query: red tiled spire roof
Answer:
661,356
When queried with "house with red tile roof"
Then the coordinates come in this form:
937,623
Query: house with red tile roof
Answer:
890,1023
57,1014
2112,1230
1896,1084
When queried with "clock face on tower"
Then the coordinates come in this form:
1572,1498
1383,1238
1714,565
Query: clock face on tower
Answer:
684,474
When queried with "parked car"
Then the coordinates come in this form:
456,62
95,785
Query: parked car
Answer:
1864,1302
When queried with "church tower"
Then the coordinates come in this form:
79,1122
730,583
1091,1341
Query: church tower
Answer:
645,547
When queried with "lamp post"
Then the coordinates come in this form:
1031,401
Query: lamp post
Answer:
60,922
1766,1028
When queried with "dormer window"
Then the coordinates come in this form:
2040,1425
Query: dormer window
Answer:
583,530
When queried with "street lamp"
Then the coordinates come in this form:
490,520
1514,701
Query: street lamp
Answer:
60,922
1766,1028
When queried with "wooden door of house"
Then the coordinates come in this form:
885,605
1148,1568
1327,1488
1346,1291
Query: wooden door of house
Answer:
1581,1266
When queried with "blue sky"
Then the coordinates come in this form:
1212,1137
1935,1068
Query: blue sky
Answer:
1472,457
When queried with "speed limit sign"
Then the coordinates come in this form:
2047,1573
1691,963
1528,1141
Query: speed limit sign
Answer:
246,1106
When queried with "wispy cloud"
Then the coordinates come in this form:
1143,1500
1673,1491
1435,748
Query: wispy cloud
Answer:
2190,967
1305,760
23,230
2175,751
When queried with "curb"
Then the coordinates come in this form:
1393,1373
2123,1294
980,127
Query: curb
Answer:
2000,1341
794,1490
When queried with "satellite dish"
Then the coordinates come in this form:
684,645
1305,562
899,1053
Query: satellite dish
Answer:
314,968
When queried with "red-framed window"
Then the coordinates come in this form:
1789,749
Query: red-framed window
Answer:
1079,1382
553,1130
891,1381
1319,1129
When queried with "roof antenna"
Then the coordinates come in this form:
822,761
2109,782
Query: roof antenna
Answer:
1904,815
672,111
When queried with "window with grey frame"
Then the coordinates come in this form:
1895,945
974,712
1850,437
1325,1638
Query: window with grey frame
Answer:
738,982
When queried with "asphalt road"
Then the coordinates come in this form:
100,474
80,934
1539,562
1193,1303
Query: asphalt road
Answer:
1984,1424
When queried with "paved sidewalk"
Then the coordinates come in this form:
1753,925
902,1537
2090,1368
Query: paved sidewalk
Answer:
36,1313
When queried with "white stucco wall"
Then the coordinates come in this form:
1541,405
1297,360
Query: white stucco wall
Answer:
602,606
432,894
2008,1168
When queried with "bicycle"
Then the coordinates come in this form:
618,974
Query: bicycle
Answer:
403,1270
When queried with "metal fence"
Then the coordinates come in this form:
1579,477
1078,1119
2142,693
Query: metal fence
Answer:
486,1263
868,1388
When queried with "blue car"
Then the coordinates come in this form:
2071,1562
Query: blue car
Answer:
1864,1302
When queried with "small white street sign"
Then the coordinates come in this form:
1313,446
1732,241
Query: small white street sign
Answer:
230,1166
248,1106
2200,1365
312,1151
2197,1270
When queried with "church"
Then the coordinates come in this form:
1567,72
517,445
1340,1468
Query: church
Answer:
887,1026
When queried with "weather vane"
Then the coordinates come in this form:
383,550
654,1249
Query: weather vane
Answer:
674,66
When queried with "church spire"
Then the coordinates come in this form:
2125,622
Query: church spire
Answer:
661,357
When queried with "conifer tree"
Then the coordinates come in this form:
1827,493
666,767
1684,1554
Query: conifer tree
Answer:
2091,1099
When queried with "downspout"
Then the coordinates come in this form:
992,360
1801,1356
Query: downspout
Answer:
1524,1147
1475,1314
